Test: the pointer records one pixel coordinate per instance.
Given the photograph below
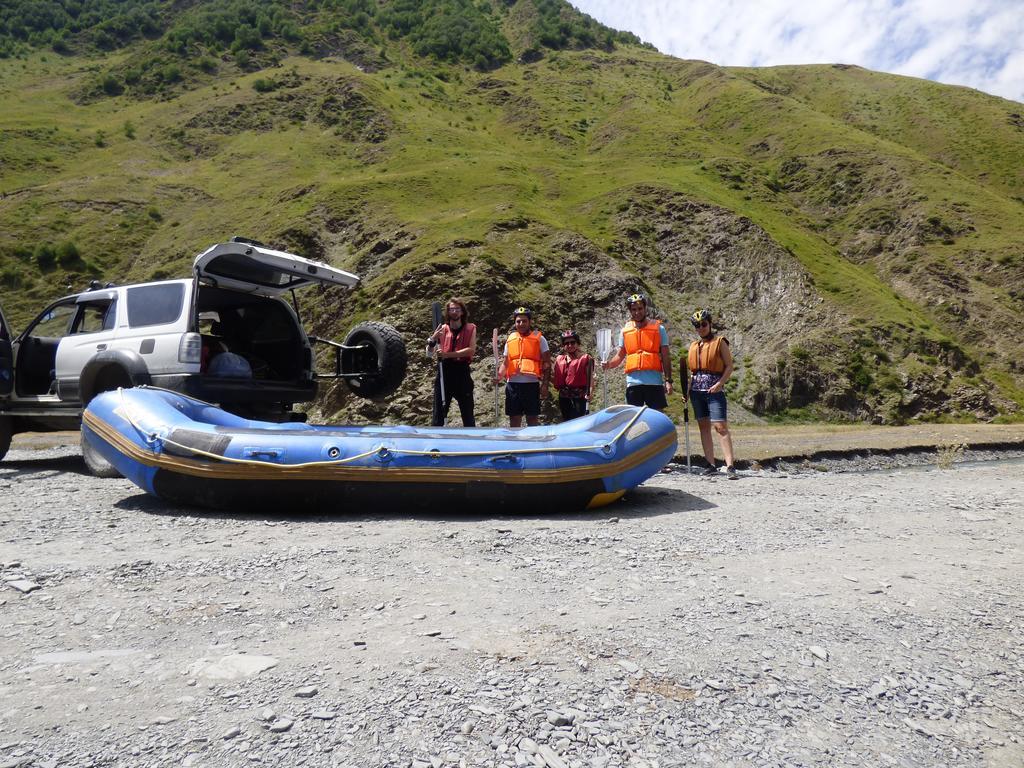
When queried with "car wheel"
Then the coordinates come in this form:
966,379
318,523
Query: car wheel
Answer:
109,380
382,358
94,461
6,430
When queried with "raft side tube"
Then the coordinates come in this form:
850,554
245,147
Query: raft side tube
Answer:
190,452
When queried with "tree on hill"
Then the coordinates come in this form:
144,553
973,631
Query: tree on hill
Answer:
104,24
559,25
461,31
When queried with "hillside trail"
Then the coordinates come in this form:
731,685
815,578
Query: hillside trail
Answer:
790,618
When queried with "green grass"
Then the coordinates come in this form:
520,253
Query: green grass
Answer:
842,169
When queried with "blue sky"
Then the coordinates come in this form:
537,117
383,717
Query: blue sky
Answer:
977,43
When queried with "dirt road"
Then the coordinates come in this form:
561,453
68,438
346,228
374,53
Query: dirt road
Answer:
797,619
760,442
764,442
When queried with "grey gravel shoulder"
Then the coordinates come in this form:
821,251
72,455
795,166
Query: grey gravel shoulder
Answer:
789,619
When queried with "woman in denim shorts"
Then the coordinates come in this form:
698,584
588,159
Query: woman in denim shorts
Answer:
709,365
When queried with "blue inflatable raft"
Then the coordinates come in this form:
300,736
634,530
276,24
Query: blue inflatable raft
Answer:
187,451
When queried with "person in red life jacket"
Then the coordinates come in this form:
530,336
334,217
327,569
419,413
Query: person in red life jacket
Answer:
454,342
573,377
709,365
643,344
526,370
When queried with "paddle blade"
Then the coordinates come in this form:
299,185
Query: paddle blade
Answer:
435,308
604,344
494,343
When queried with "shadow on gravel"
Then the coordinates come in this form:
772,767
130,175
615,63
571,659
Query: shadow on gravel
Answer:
642,502
650,502
28,467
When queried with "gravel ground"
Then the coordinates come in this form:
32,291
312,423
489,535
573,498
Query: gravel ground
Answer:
796,618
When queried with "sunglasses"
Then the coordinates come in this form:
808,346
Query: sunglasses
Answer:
701,324
567,343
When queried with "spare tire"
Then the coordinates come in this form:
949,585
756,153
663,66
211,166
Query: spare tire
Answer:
381,360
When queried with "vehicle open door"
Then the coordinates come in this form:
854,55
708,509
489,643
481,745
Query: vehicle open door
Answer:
6,358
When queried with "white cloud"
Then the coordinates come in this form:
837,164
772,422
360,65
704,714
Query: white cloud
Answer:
977,43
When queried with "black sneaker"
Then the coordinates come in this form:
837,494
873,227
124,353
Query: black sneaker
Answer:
730,472
709,471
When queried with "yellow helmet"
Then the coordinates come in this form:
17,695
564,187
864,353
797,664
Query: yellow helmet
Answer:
700,316
634,298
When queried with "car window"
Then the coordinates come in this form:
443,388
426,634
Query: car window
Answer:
110,316
92,318
155,304
53,323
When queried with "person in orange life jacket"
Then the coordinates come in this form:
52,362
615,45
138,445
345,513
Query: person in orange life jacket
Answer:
573,377
709,365
526,370
454,342
643,344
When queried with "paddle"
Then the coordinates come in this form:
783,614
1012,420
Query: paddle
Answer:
604,351
686,408
497,372
435,308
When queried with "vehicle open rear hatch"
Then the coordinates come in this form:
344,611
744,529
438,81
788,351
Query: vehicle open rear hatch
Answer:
372,359
253,268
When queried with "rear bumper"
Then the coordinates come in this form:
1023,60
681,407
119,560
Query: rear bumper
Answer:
237,391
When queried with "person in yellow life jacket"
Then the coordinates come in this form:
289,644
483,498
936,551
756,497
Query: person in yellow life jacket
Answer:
643,344
709,365
573,377
526,370
454,342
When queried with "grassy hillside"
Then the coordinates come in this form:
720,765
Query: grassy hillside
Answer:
857,233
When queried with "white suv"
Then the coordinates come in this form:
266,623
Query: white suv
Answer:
225,335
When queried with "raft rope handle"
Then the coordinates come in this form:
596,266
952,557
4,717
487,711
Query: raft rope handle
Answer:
151,438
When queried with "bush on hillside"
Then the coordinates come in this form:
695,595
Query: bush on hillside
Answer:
20,252
171,73
59,43
111,85
246,38
10,278
67,254
44,256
